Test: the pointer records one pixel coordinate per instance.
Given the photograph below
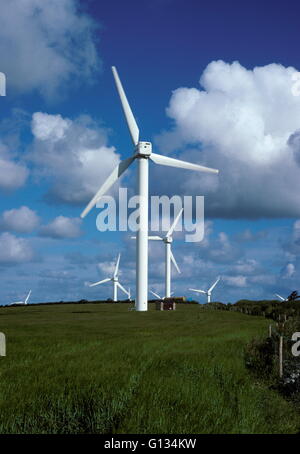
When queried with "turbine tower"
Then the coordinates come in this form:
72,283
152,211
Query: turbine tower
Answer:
115,280
23,302
142,153
206,292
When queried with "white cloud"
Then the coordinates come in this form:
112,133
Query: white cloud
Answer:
73,154
46,44
62,227
244,123
222,250
235,281
288,271
107,269
49,127
13,174
14,250
21,220
246,267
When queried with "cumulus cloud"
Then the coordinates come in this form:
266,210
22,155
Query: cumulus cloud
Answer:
13,173
73,154
291,242
21,220
245,267
235,281
245,123
45,45
62,227
14,250
288,271
107,269
13,170
222,250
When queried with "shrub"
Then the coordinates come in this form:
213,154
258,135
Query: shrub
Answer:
259,357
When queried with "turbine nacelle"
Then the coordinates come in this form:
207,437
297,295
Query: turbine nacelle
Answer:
143,149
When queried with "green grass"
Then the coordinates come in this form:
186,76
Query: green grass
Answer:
103,369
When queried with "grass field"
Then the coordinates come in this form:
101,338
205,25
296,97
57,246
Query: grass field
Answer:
103,369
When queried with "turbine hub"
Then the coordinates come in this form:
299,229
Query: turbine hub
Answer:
144,149
168,239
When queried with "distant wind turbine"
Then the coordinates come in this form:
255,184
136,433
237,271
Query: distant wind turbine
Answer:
142,153
115,280
23,302
207,292
169,257
280,297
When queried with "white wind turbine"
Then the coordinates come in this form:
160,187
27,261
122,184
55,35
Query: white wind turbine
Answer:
23,302
115,280
142,153
280,297
169,257
206,292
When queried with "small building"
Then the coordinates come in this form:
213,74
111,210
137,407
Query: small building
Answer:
166,305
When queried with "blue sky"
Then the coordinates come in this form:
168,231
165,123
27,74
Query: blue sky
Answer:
62,132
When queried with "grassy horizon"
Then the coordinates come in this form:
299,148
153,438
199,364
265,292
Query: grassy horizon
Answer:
103,369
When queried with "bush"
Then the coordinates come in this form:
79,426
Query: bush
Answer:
259,357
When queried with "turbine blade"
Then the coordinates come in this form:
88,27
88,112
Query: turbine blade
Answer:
100,282
113,177
280,297
27,298
198,291
171,162
171,230
213,286
174,262
122,288
117,266
155,238
133,127
155,294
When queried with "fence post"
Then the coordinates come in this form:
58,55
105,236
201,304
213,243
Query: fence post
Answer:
2,345
280,356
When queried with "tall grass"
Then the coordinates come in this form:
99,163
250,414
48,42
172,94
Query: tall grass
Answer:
103,369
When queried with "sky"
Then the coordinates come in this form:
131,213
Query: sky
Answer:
214,83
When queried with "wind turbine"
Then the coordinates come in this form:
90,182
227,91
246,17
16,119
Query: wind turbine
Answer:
207,292
280,297
115,280
169,257
142,153
159,297
23,302
168,254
